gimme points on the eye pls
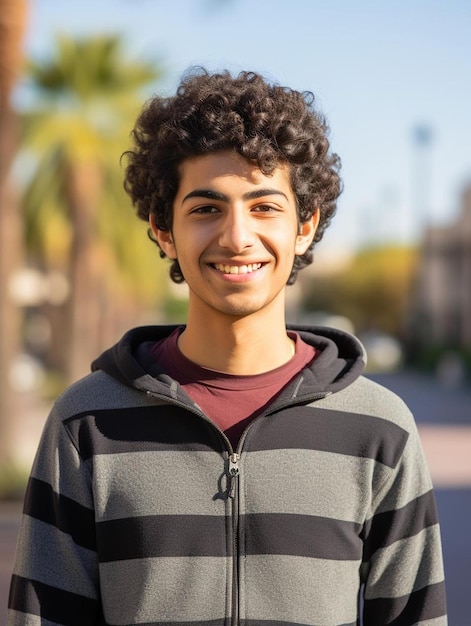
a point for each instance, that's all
(264, 208)
(202, 210)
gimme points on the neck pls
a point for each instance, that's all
(241, 346)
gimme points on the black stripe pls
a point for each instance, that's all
(162, 536)
(206, 622)
(168, 427)
(163, 427)
(313, 428)
(52, 604)
(425, 604)
(199, 535)
(301, 535)
(271, 622)
(388, 527)
(43, 503)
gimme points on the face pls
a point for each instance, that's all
(235, 234)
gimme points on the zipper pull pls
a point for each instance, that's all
(233, 473)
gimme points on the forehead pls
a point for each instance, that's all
(229, 169)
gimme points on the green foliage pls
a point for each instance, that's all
(176, 310)
(85, 68)
(13, 480)
(88, 96)
(373, 291)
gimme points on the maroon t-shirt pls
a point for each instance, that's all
(232, 402)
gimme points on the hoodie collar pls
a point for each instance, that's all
(340, 361)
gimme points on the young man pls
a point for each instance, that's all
(231, 471)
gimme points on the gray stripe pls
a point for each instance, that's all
(368, 398)
(34, 560)
(275, 589)
(304, 482)
(438, 621)
(99, 390)
(183, 590)
(166, 483)
(15, 618)
(309, 482)
(423, 549)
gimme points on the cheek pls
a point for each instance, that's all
(285, 239)
(189, 248)
(202, 239)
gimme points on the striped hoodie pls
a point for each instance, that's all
(138, 510)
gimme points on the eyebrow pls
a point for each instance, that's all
(210, 194)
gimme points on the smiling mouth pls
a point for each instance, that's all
(237, 269)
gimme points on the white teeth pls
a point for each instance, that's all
(238, 269)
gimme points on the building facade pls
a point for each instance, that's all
(443, 296)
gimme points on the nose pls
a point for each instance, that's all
(236, 231)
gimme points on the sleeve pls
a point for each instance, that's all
(402, 572)
(55, 576)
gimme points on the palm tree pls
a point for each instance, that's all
(12, 24)
(77, 214)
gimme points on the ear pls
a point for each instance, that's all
(164, 239)
(306, 233)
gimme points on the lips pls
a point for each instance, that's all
(237, 269)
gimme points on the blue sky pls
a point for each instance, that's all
(378, 68)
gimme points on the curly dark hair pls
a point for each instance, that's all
(265, 123)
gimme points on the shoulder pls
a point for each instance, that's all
(97, 391)
(366, 397)
(382, 421)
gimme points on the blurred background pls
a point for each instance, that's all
(76, 270)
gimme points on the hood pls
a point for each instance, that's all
(340, 360)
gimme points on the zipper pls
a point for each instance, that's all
(234, 471)
(232, 490)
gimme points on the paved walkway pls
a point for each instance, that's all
(448, 451)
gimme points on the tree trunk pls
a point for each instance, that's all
(10, 318)
(86, 269)
(12, 23)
